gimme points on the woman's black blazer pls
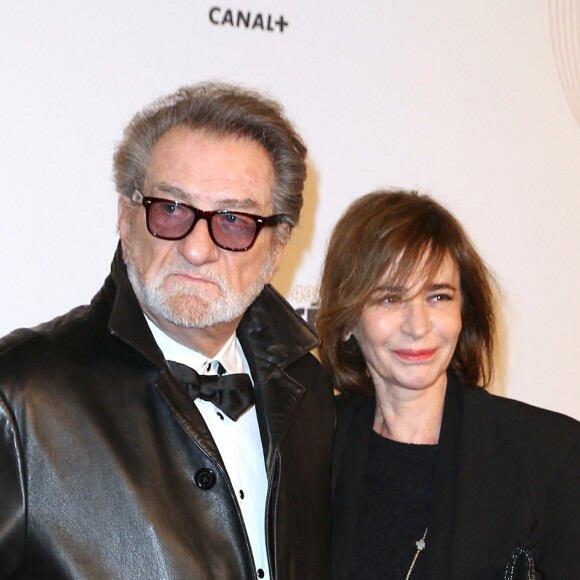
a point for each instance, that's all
(507, 477)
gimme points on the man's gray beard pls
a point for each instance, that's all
(186, 305)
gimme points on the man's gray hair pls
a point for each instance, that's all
(220, 110)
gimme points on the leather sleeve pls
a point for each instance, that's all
(12, 494)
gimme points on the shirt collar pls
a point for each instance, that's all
(230, 355)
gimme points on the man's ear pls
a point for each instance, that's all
(123, 220)
(277, 249)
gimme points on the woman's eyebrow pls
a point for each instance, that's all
(387, 288)
(440, 286)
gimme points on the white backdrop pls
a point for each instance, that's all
(458, 98)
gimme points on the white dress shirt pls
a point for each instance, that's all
(239, 442)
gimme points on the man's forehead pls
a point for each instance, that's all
(175, 193)
(180, 133)
(194, 166)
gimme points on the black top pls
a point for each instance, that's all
(397, 492)
(507, 477)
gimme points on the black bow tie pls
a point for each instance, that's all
(233, 394)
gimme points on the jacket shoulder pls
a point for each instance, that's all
(23, 342)
(47, 350)
(519, 413)
(547, 437)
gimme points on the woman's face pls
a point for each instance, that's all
(408, 334)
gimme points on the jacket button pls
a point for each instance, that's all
(205, 478)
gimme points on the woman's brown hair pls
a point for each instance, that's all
(394, 231)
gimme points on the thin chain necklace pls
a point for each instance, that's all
(420, 546)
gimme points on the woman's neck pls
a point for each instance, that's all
(410, 416)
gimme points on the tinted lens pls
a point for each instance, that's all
(169, 220)
(233, 230)
(229, 230)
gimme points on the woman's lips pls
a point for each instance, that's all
(416, 355)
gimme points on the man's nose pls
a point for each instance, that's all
(198, 247)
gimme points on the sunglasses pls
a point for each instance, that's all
(229, 230)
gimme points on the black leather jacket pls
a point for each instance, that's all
(107, 470)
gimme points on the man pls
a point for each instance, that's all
(116, 462)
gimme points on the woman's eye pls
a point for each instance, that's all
(392, 299)
(440, 297)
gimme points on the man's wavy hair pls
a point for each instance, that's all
(405, 235)
(219, 110)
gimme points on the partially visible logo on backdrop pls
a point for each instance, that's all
(565, 33)
(308, 296)
(219, 16)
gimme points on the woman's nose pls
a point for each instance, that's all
(416, 321)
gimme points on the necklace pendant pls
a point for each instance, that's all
(420, 546)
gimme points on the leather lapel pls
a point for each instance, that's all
(176, 397)
(127, 321)
(277, 398)
(274, 337)
(128, 324)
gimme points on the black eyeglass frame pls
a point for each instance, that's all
(260, 221)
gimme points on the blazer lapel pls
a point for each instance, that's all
(439, 543)
(488, 474)
(355, 424)
(471, 500)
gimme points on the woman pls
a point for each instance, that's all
(434, 477)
